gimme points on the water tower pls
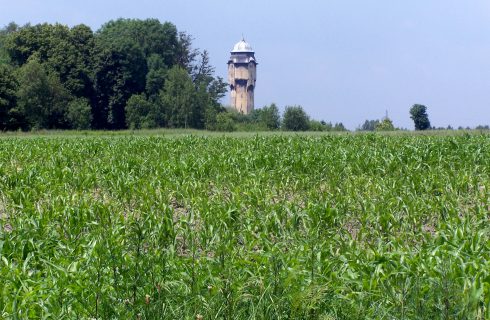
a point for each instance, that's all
(242, 74)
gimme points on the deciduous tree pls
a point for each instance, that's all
(177, 97)
(369, 125)
(143, 114)
(41, 97)
(267, 117)
(295, 119)
(120, 72)
(418, 113)
(8, 99)
(385, 125)
(79, 114)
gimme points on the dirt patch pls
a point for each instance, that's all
(352, 227)
(100, 195)
(7, 228)
(429, 228)
(185, 220)
(3, 208)
(4, 215)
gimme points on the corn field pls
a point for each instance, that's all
(267, 227)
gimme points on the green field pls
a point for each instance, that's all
(129, 226)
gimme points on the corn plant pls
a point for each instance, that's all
(361, 226)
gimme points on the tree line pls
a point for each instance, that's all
(268, 118)
(128, 74)
(418, 113)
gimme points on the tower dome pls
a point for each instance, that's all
(242, 46)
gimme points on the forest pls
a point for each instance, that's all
(128, 74)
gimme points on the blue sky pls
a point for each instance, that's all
(342, 60)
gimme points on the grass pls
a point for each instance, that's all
(275, 226)
(175, 133)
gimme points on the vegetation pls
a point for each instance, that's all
(268, 117)
(385, 125)
(330, 227)
(295, 119)
(136, 74)
(369, 125)
(8, 99)
(49, 74)
(418, 113)
(278, 225)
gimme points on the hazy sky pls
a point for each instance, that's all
(342, 60)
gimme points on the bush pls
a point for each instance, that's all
(140, 113)
(79, 114)
(268, 117)
(385, 125)
(339, 127)
(224, 122)
(295, 119)
(317, 126)
(369, 125)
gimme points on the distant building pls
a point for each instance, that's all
(242, 74)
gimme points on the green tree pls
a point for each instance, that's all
(64, 51)
(203, 72)
(8, 99)
(143, 114)
(210, 115)
(209, 90)
(328, 126)
(120, 72)
(217, 90)
(385, 125)
(79, 114)
(134, 56)
(202, 102)
(369, 125)
(66, 56)
(418, 113)
(4, 32)
(41, 97)
(270, 117)
(125, 58)
(186, 54)
(317, 126)
(225, 122)
(178, 98)
(157, 73)
(295, 119)
(76, 66)
(150, 36)
(339, 127)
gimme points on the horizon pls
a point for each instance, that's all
(361, 61)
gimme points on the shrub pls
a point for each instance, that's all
(295, 119)
(79, 114)
(224, 122)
